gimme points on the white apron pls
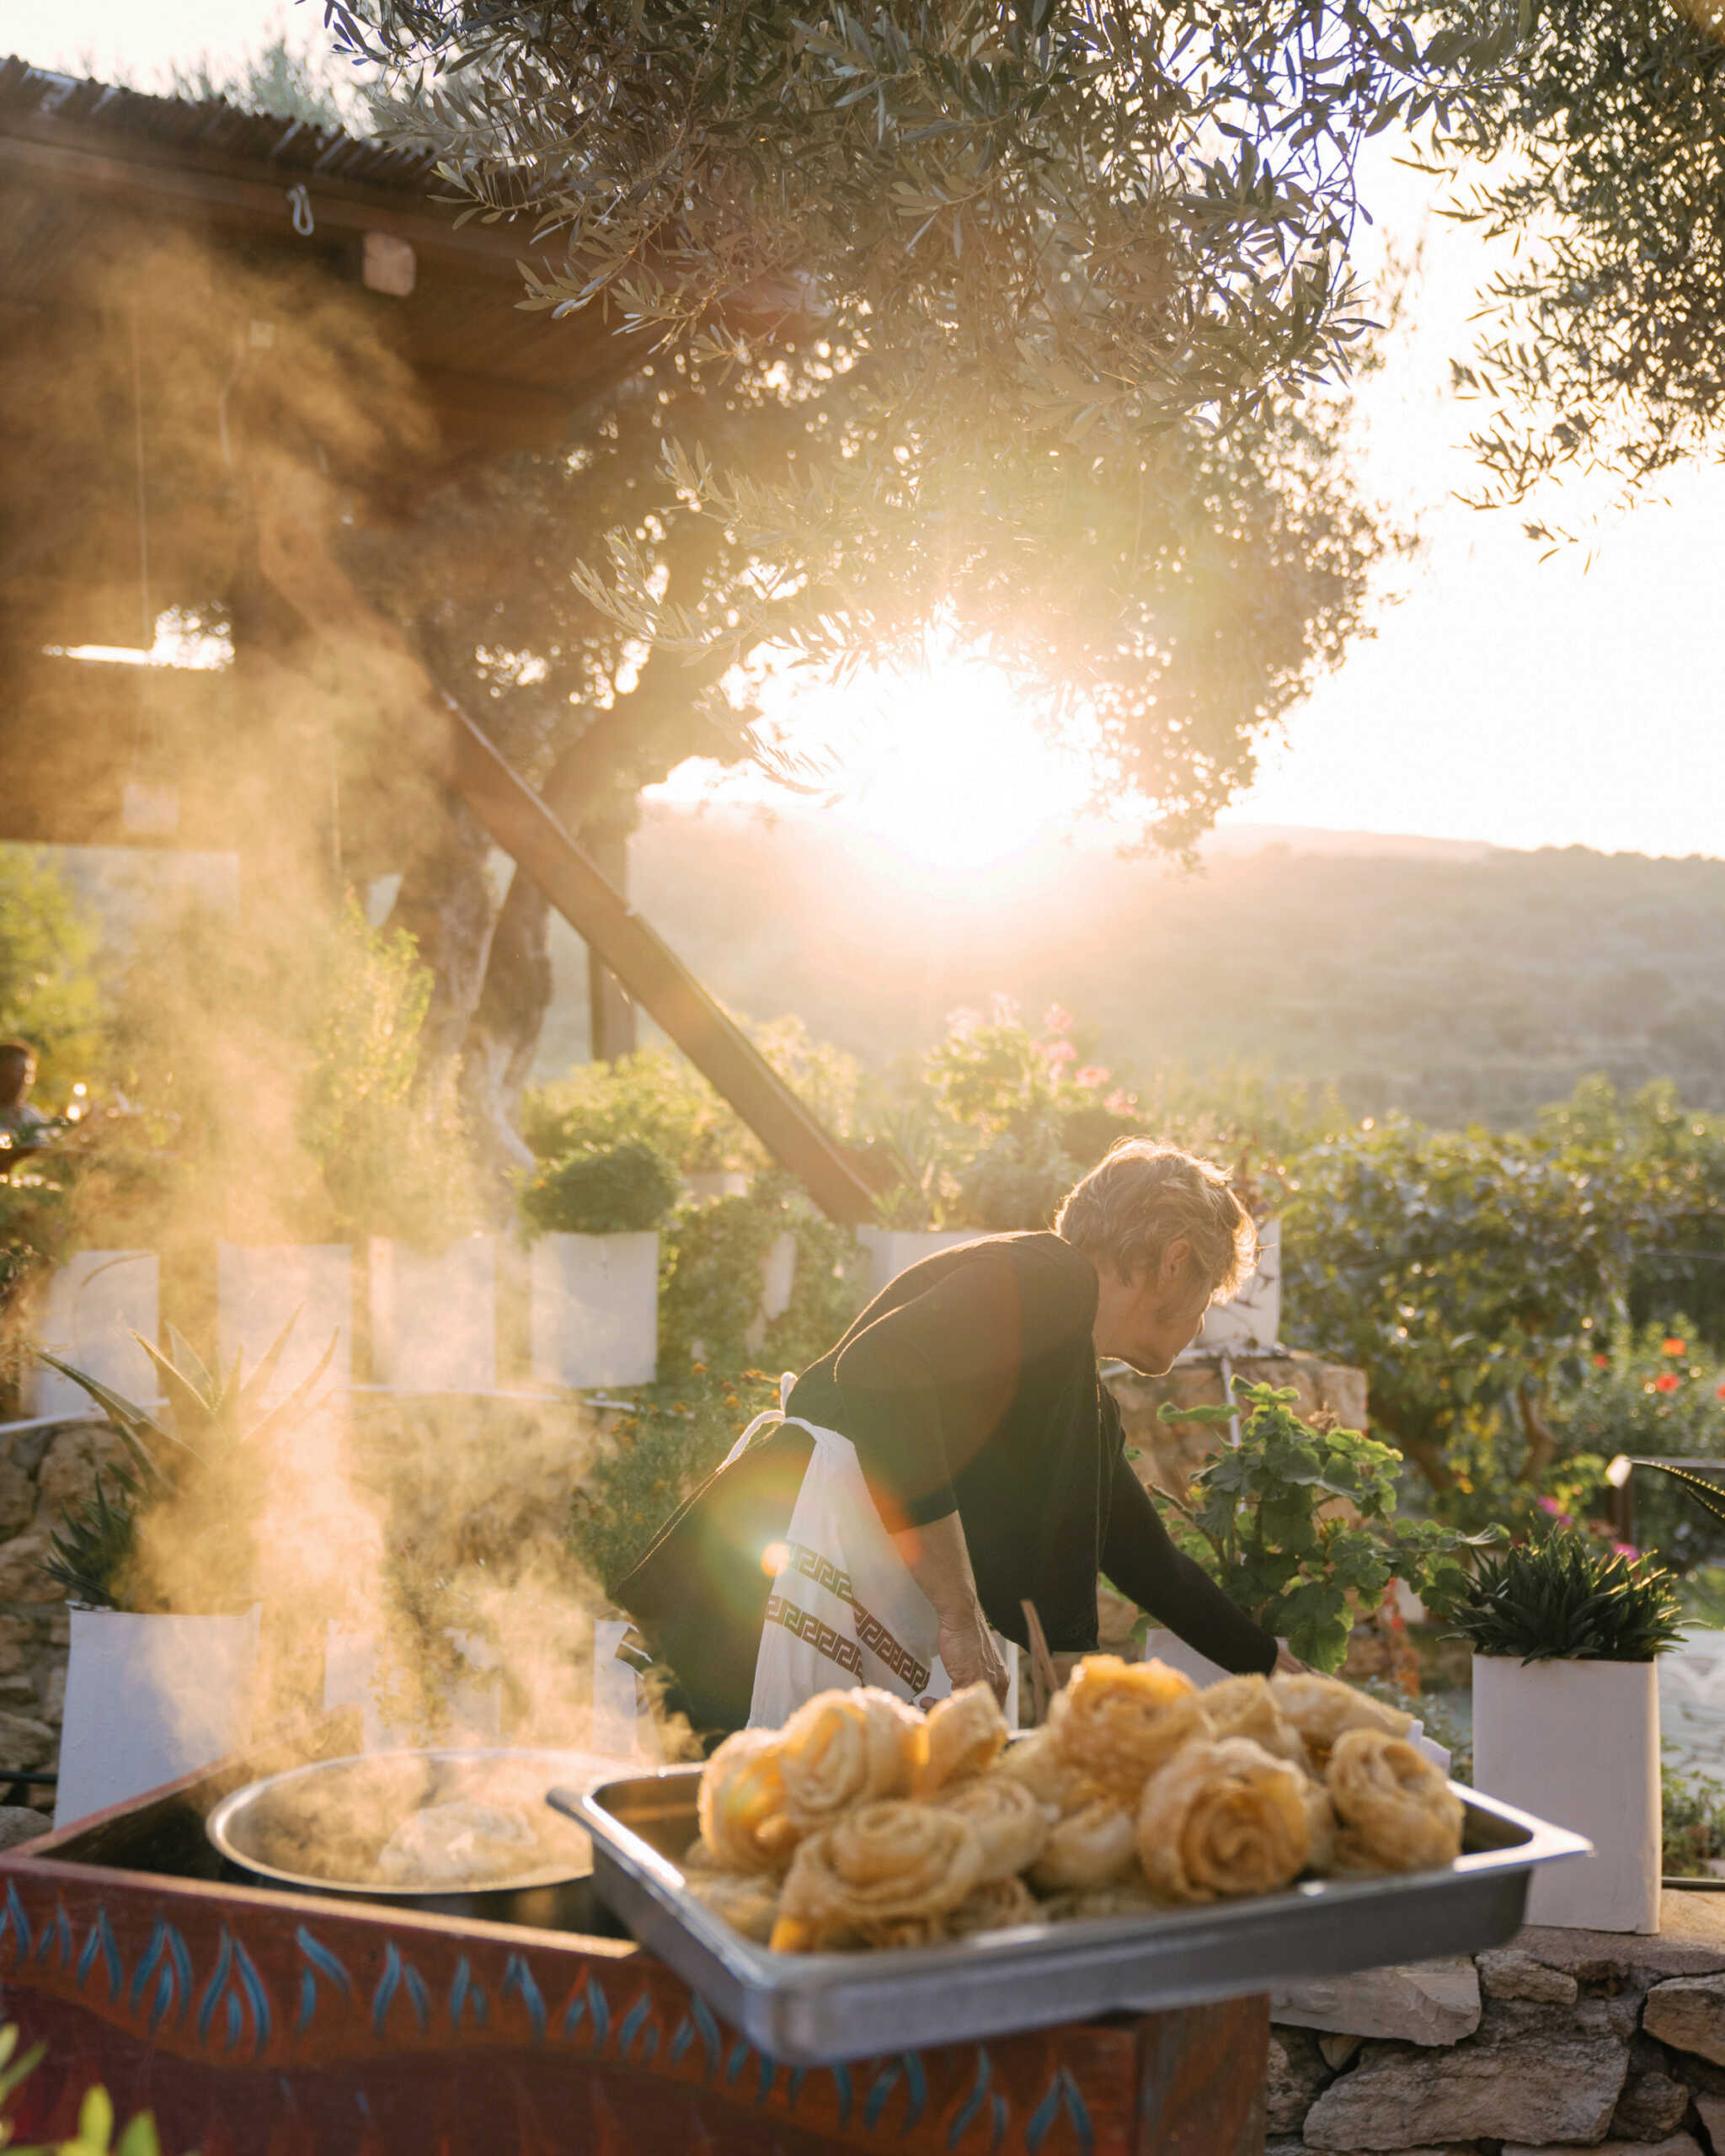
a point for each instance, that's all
(845, 1608)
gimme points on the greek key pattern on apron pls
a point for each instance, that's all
(803, 1624)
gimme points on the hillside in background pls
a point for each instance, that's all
(1454, 981)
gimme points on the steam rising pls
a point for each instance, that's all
(235, 400)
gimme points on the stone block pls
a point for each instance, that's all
(1689, 1942)
(24, 1742)
(1297, 2072)
(1710, 2111)
(1507, 1972)
(18, 1823)
(1651, 2106)
(1676, 2144)
(69, 1467)
(1418, 2002)
(18, 1495)
(1533, 2073)
(22, 1576)
(1688, 2013)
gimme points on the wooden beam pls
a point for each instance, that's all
(149, 176)
(657, 979)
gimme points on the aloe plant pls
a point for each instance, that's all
(1563, 1599)
(204, 1461)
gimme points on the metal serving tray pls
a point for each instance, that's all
(808, 2008)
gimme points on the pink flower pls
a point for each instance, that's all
(1054, 1020)
(1059, 1052)
(1626, 1549)
(1125, 1103)
(1550, 1505)
(1090, 1077)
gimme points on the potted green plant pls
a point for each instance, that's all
(1565, 1631)
(1298, 1524)
(159, 1564)
(260, 1288)
(594, 1270)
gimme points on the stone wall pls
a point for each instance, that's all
(42, 1466)
(1560, 2041)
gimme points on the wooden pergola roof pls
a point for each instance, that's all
(86, 167)
(75, 154)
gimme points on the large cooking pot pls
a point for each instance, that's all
(334, 1827)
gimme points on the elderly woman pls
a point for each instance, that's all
(991, 1448)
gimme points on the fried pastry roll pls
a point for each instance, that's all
(1397, 1812)
(741, 1805)
(841, 1748)
(1038, 1762)
(1094, 1846)
(748, 1901)
(1010, 1823)
(1129, 1898)
(1245, 1706)
(1118, 1721)
(964, 1734)
(1221, 1820)
(1320, 1824)
(1321, 1707)
(992, 1907)
(883, 1863)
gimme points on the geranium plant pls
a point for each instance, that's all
(1298, 1524)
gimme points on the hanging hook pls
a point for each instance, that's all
(299, 201)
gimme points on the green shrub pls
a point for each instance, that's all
(1563, 1599)
(654, 1096)
(624, 1190)
(1693, 1807)
(711, 1282)
(1262, 1518)
(654, 1454)
(1655, 1394)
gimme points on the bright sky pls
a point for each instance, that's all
(1526, 703)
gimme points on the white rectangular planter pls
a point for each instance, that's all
(260, 1286)
(434, 1319)
(894, 1250)
(594, 1310)
(149, 1699)
(1252, 1319)
(1578, 1744)
(94, 1304)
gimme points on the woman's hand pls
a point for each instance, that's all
(967, 1653)
(1290, 1665)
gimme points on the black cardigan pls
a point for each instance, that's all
(969, 1384)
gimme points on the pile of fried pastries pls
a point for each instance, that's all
(865, 1823)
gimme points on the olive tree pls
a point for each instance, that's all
(1055, 289)
(1605, 349)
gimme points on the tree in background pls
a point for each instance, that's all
(1607, 347)
(1072, 275)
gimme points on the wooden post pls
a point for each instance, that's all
(611, 1016)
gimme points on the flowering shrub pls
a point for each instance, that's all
(1655, 1394)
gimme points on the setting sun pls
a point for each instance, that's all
(950, 768)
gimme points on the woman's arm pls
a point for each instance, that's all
(939, 1561)
(1143, 1563)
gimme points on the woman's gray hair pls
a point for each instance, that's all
(1146, 1195)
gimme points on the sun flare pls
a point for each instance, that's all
(949, 769)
